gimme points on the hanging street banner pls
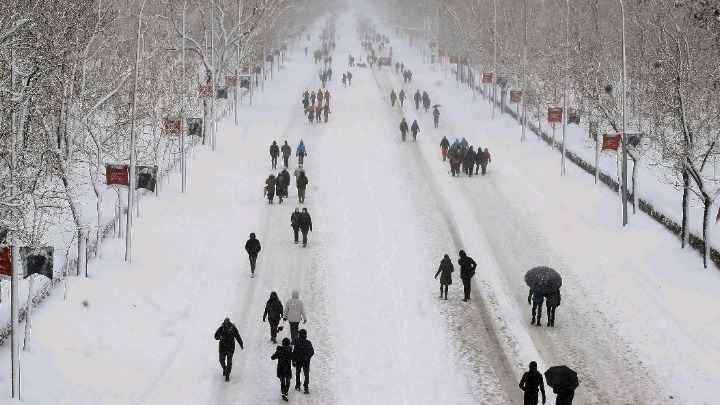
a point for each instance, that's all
(172, 126)
(37, 261)
(231, 81)
(5, 261)
(611, 141)
(573, 116)
(515, 96)
(146, 177)
(222, 92)
(245, 81)
(441, 53)
(194, 126)
(555, 115)
(205, 91)
(487, 78)
(453, 59)
(245, 69)
(433, 44)
(117, 174)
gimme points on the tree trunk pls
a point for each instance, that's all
(685, 237)
(707, 203)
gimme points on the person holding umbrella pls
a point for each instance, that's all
(537, 302)
(541, 280)
(552, 301)
(563, 381)
(530, 382)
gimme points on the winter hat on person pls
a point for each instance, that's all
(446, 256)
(273, 296)
(252, 235)
(462, 253)
(227, 320)
(302, 333)
(533, 365)
(286, 342)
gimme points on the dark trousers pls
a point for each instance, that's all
(273, 160)
(484, 168)
(551, 315)
(294, 326)
(285, 161)
(443, 287)
(306, 370)
(295, 231)
(304, 233)
(565, 398)
(273, 328)
(226, 362)
(285, 384)
(537, 306)
(530, 398)
(477, 168)
(253, 260)
(466, 287)
(300, 157)
(301, 195)
(455, 169)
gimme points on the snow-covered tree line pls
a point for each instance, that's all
(67, 75)
(673, 81)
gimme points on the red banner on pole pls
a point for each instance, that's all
(172, 126)
(231, 81)
(117, 174)
(245, 69)
(453, 59)
(555, 115)
(487, 78)
(611, 141)
(205, 91)
(433, 44)
(515, 96)
(441, 53)
(5, 261)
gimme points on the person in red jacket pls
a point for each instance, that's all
(485, 160)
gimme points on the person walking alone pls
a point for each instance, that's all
(273, 313)
(444, 146)
(401, 97)
(294, 313)
(393, 97)
(286, 152)
(467, 271)
(301, 183)
(436, 116)
(531, 381)
(283, 354)
(300, 152)
(252, 247)
(227, 333)
(302, 353)
(445, 271)
(414, 128)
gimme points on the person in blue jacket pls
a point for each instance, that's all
(456, 144)
(537, 299)
(300, 152)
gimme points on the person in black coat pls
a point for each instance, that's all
(302, 353)
(281, 187)
(445, 271)
(295, 223)
(274, 153)
(227, 333)
(552, 301)
(305, 224)
(436, 116)
(467, 271)
(283, 354)
(417, 97)
(530, 382)
(469, 161)
(252, 247)
(284, 178)
(270, 183)
(415, 128)
(273, 313)
(403, 128)
(478, 159)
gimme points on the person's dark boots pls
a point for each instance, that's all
(533, 321)
(538, 322)
(227, 377)
(297, 388)
(307, 391)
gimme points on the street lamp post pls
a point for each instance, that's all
(524, 81)
(494, 100)
(624, 123)
(565, 95)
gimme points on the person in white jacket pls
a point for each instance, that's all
(294, 313)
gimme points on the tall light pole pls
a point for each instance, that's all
(183, 124)
(565, 95)
(624, 123)
(524, 79)
(494, 100)
(131, 175)
(213, 138)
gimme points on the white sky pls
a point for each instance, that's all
(638, 319)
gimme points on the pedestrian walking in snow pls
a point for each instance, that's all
(327, 98)
(485, 160)
(455, 161)
(295, 223)
(252, 247)
(280, 187)
(436, 116)
(414, 128)
(445, 271)
(302, 353)
(294, 313)
(552, 301)
(426, 101)
(397, 67)
(274, 153)
(311, 115)
(283, 355)
(312, 98)
(301, 183)
(284, 179)
(444, 146)
(270, 187)
(305, 224)
(227, 333)
(318, 113)
(530, 382)
(320, 96)
(286, 151)
(349, 78)
(403, 129)
(305, 103)
(326, 112)
(537, 299)
(467, 271)
(344, 80)
(273, 313)
(300, 152)
(469, 161)
(478, 159)
(417, 97)
(393, 97)
(401, 97)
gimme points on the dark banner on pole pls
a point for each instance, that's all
(245, 82)
(5, 261)
(194, 126)
(146, 177)
(172, 126)
(222, 92)
(573, 116)
(205, 91)
(37, 261)
(117, 174)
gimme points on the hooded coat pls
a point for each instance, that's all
(227, 333)
(305, 221)
(274, 149)
(273, 308)
(286, 150)
(303, 351)
(252, 246)
(445, 271)
(553, 299)
(294, 309)
(283, 354)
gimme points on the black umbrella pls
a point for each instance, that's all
(561, 379)
(543, 279)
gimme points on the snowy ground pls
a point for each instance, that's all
(638, 320)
